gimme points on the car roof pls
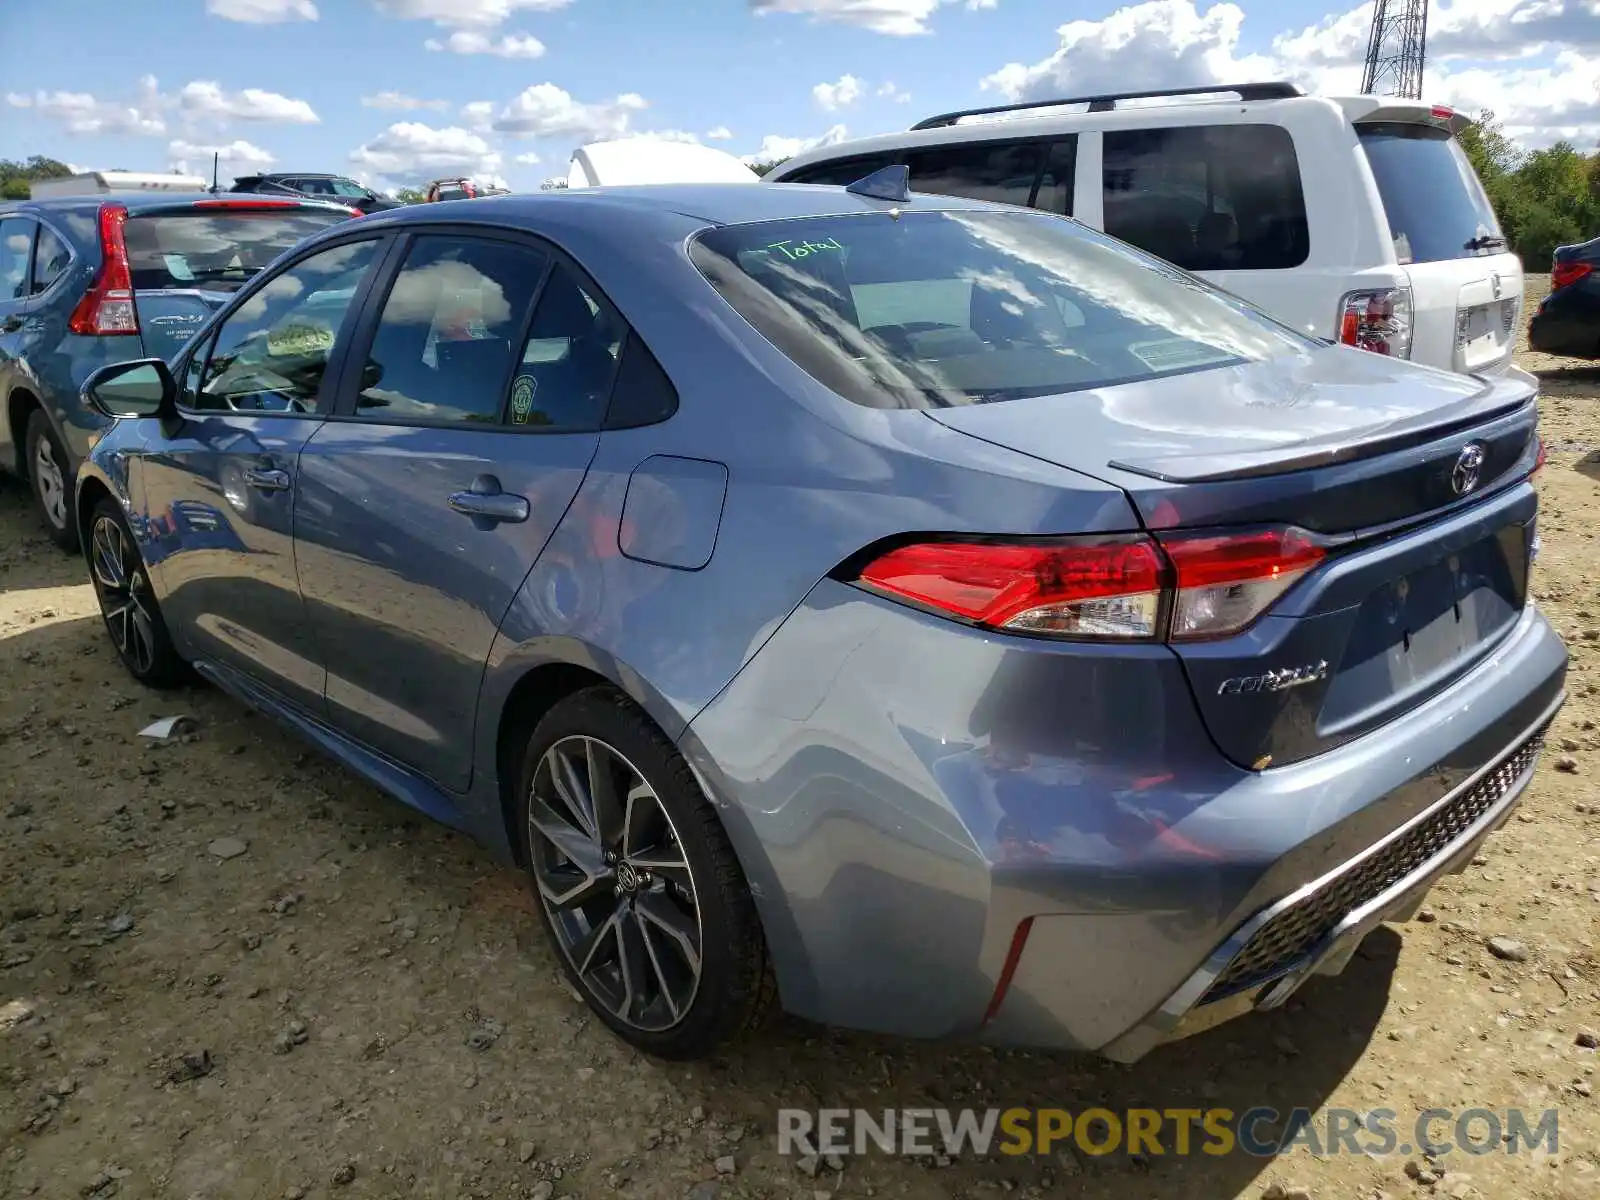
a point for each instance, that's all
(671, 205)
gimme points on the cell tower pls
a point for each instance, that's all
(1397, 48)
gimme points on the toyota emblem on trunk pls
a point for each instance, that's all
(1469, 465)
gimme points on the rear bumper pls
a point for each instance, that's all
(905, 796)
(1316, 929)
(1568, 324)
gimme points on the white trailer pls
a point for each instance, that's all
(100, 183)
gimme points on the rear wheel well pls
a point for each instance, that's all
(535, 694)
(19, 405)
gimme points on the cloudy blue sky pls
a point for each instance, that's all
(398, 91)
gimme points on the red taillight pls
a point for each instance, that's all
(244, 203)
(107, 309)
(1117, 588)
(1443, 112)
(1226, 581)
(1565, 274)
(1378, 320)
(1538, 458)
(1075, 587)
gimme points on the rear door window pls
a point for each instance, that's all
(219, 251)
(1054, 193)
(1002, 172)
(1208, 197)
(570, 358)
(16, 243)
(451, 325)
(1436, 207)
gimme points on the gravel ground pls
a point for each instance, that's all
(230, 969)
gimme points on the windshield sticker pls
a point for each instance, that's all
(522, 390)
(798, 250)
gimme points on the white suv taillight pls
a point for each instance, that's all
(1378, 320)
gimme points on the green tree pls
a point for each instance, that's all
(16, 177)
(411, 195)
(761, 168)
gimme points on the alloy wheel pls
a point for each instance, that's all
(615, 883)
(51, 483)
(124, 591)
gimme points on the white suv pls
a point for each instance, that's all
(1358, 219)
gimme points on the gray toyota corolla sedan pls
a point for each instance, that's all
(937, 617)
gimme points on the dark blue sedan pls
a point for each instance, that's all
(1568, 319)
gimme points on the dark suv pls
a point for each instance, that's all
(319, 187)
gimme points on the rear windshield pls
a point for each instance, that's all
(217, 251)
(929, 309)
(1437, 209)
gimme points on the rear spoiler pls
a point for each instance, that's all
(1495, 398)
(1370, 110)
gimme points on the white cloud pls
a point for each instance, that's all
(1532, 61)
(1157, 44)
(897, 18)
(205, 99)
(262, 12)
(890, 92)
(478, 115)
(670, 135)
(237, 157)
(841, 94)
(1474, 29)
(509, 45)
(720, 134)
(544, 110)
(411, 150)
(528, 159)
(400, 102)
(83, 114)
(464, 13)
(774, 146)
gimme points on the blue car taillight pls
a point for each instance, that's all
(1180, 586)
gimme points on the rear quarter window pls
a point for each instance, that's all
(1208, 197)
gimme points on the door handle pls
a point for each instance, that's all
(487, 504)
(267, 479)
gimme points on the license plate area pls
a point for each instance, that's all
(1483, 333)
(1415, 632)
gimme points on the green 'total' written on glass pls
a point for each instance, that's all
(796, 250)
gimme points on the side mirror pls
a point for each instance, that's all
(142, 388)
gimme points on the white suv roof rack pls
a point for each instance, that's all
(1277, 90)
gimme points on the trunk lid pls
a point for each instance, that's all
(1408, 474)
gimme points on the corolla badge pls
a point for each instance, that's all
(1468, 469)
(1280, 680)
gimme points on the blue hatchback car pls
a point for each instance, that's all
(938, 615)
(96, 279)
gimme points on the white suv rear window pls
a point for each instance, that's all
(1436, 207)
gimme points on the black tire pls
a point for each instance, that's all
(50, 480)
(734, 990)
(129, 608)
